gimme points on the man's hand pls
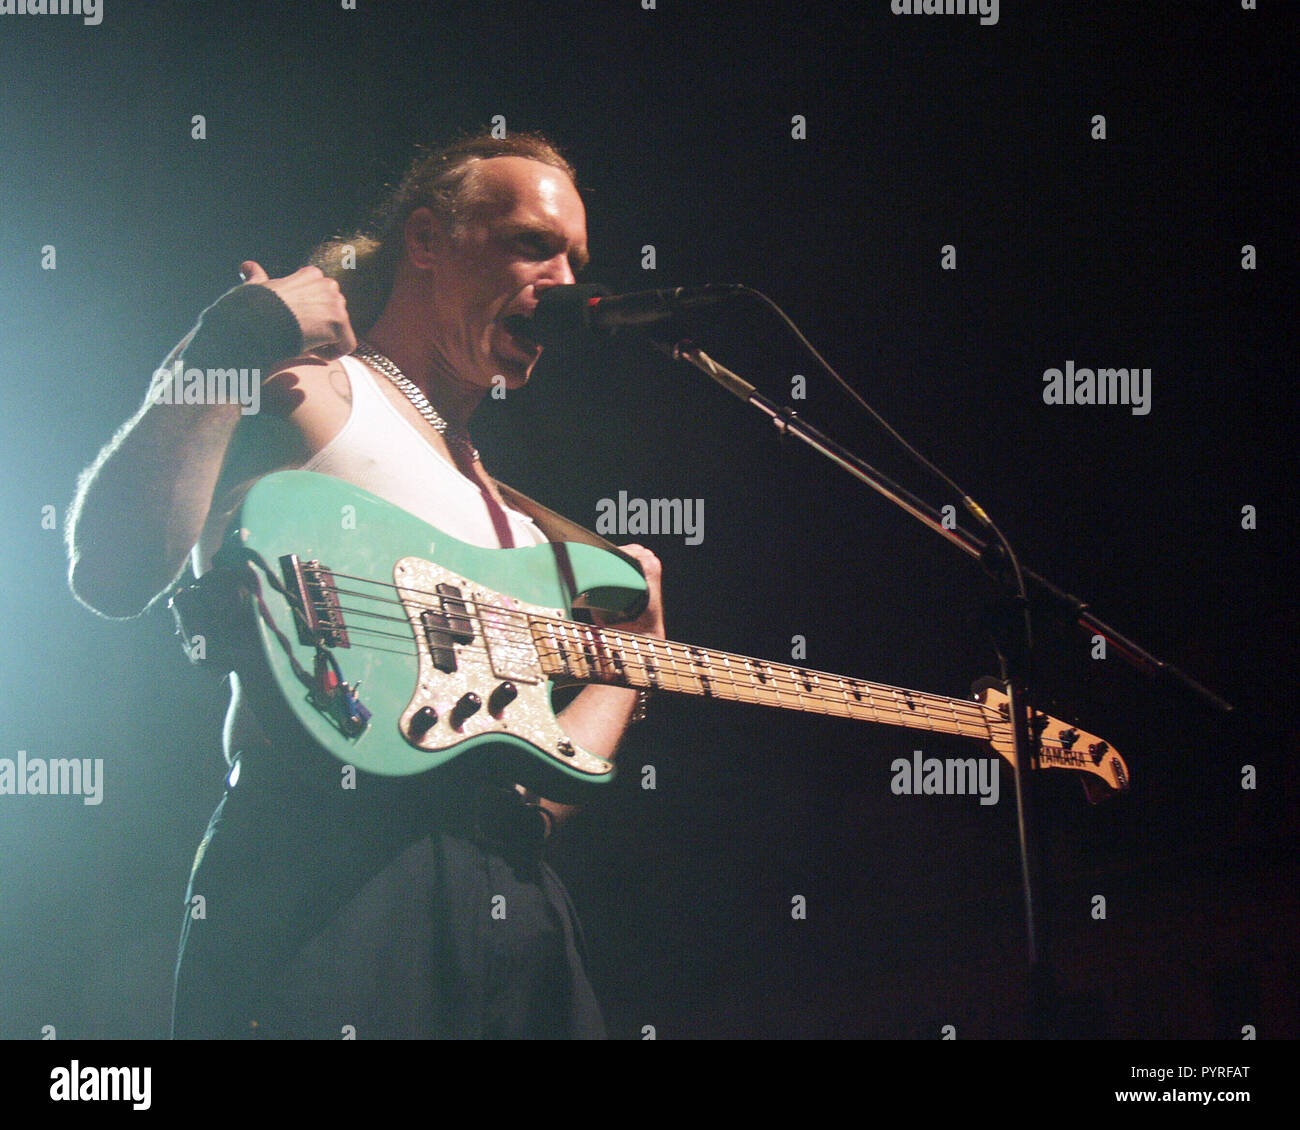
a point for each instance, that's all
(651, 621)
(316, 302)
(597, 718)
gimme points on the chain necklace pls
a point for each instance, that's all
(458, 438)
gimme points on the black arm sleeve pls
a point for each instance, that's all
(247, 327)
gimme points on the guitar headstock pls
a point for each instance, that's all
(1103, 769)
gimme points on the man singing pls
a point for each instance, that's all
(369, 909)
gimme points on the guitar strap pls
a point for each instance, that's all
(556, 526)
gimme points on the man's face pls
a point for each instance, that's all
(529, 234)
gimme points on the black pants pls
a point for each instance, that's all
(382, 911)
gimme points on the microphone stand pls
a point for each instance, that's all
(1013, 637)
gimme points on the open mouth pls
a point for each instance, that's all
(519, 342)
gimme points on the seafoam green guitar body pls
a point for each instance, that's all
(398, 648)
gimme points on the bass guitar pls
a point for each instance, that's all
(398, 649)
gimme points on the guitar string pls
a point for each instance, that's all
(984, 725)
(980, 720)
(795, 684)
(990, 728)
(973, 709)
(987, 724)
(901, 704)
(778, 692)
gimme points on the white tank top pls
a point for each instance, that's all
(380, 451)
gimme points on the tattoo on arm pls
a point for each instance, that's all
(339, 382)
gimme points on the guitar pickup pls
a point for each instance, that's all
(456, 612)
(320, 619)
(446, 627)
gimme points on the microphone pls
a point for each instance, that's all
(567, 311)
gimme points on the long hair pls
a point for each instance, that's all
(365, 262)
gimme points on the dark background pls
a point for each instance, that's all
(921, 131)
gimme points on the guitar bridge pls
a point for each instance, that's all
(320, 619)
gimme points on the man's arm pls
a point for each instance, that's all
(140, 507)
(597, 719)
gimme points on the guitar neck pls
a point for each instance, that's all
(603, 655)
